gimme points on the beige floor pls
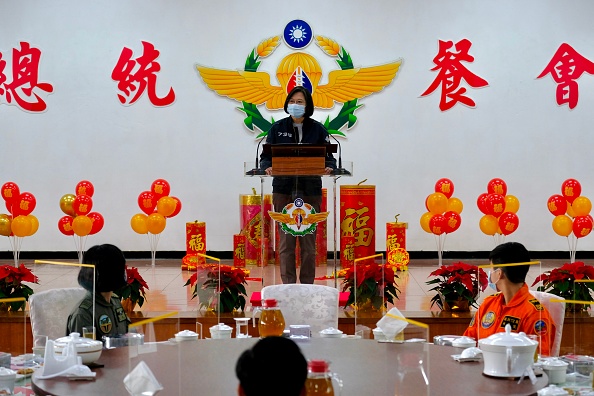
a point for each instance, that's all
(167, 292)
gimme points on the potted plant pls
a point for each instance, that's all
(134, 292)
(562, 282)
(231, 292)
(371, 279)
(11, 286)
(457, 286)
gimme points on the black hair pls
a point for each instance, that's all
(110, 267)
(274, 366)
(512, 252)
(309, 105)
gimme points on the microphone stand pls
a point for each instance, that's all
(257, 171)
(340, 170)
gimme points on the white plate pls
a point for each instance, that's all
(470, 359)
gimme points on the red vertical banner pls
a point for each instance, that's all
(396, 253)
(252, 226)
(195, 243)
(239, 250)
(322, 233)
(347, 253)
(357, 218)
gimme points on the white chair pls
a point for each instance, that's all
(50, 309)
(557, 312)
(314, 305)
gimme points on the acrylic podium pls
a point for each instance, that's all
(299, 161)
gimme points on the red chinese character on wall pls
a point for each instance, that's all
(451, 72)
(25, 79)
(566, 67)
(135, 75)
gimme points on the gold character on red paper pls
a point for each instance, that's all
(196, 243)
(355, 226)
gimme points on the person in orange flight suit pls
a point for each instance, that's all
(513, 304)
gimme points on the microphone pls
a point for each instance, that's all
(257, 170)
(340, 170)
(296, 133)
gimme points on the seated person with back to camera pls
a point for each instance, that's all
(513, 305)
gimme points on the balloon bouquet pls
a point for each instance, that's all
(572, 214)
(499, 209)
(19, 223)
(443, 216)
(157, 206)
(79, 219)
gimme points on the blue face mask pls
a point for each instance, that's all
(296, 110)
(491, 284)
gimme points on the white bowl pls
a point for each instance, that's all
(331, 332)
(186, 335)
(89, 350)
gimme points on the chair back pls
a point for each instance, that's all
(50, 309)
(557, 312)
(301, 304)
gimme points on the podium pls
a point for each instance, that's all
(300, 160)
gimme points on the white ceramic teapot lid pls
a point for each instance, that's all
(186, 333)
(507, 338)
(331, 330)
(464, 342)
(221, 327)
(554, 362)
(80, 343)
(7, 373)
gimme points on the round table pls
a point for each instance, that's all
(367, 367)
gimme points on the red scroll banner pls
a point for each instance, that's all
(195, 243)
(251, 226)
(357, 218)
(239, 250)
(396, 245)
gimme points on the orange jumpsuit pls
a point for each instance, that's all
(524, 313)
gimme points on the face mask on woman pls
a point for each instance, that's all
(296, 110)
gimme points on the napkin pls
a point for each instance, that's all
(392, 323)
(68, 364)
(141, 381)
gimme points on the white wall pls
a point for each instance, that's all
(402, 143)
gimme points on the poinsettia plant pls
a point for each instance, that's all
(455, 282)
(135, 288)
(562, 281)
(231, 289)
(11, 284)
(371, 279)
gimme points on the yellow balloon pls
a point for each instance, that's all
(139, 223)
(455, 205)
(489, 224)
(512, 204)
(66, 203)
(5, 228)
(156, 223)
(425, 222)
(570, 212)
(581, 206)
(437, 203)
(34, 224)
(82, 225)
(562, 225)
(166, 206)
(21, 226)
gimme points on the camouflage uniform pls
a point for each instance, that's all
(110, 317)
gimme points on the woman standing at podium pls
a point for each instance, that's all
(299, 127)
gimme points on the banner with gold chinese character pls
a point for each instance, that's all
(195, 243)
(239, 250)
(322, 233)
(347, 253)
(396, 253)
(251, 226)
(357, 218)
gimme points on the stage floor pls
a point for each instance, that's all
(167, 292)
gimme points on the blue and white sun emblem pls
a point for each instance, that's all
(298, 202)
(297, 34)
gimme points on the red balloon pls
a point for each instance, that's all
(445, 186)
(497, 186)
(147, 202)
(582, 226)
(557, 205)
(65, 225)
(24, 205)
(98, 222)
(508, 223)
(160, 188)
(437, 224)
(495, 204)
(82, 205)
(10, 192)
(481, 202)
(452, 221)
(178, 207)
(85, 187)
(8, 206)
(571, 189)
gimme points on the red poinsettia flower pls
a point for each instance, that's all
(225, 280)
(562, 281)
(457, 281)
(12, 286)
